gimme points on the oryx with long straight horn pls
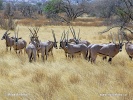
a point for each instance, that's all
(72, 49)
(33, 46)
(110, 50)
(77, 40)
(9, 40)
(128, 46)
(46, 47)
(19, 43)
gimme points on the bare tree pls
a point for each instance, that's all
(66, 10)
(123, 16)
(7, 22)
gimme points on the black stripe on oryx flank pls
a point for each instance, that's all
(74, 52)
(103, 54)
(77, 52)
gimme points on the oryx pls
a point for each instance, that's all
(128, 47)
(76, 39)
(89, 50)
(9, 40)
(71, 49)
(110, 50)
(33, 46)
(46, 47)
(19, 43)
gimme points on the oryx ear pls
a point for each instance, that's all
(20, 38)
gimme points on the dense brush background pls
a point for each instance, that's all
(60, 78)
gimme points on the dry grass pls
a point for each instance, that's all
(78, 22)
(59, 78)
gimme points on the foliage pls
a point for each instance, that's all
(51, 6)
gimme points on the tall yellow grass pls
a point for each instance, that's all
(59, 78)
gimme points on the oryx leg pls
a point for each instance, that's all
(89, 58)
(72, 55)
(20, 51)
(46, 53)
(42, 57)
(66, 54)
(105, 58)
(46, 56)
(52, 52)
(34, 55)
(130, 57)
(37, 54)
(30, 56)
(93, 57)
(110, 59)
(10, 48)
(24, 50)
(16, 51)
(85, 54)
(6, 48)
(42, 54)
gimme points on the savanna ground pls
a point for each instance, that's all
(59, 78)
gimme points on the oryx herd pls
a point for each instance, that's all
(71, 46)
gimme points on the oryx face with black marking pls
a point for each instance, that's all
(9, 40)
(5, 35)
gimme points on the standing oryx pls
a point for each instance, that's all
(89, 50)
(9, 40)
(63, 43)
(77, 40)
(46, 47)
(72, 49)
(33, 46)
(19, 43)
(110, 50)
(129, 47)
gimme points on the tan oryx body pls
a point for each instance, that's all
(76, 39)
(129, 49)
(110, 50)
(77, 48)
(64, 47)
(9, 40)
(128, 46)
(46, 47)
(31, 50)
(89, 50)
(72, 49)
(19, 43)
(33, 46)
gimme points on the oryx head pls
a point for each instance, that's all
(120, 44)
(5, 35)
(33, 34)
